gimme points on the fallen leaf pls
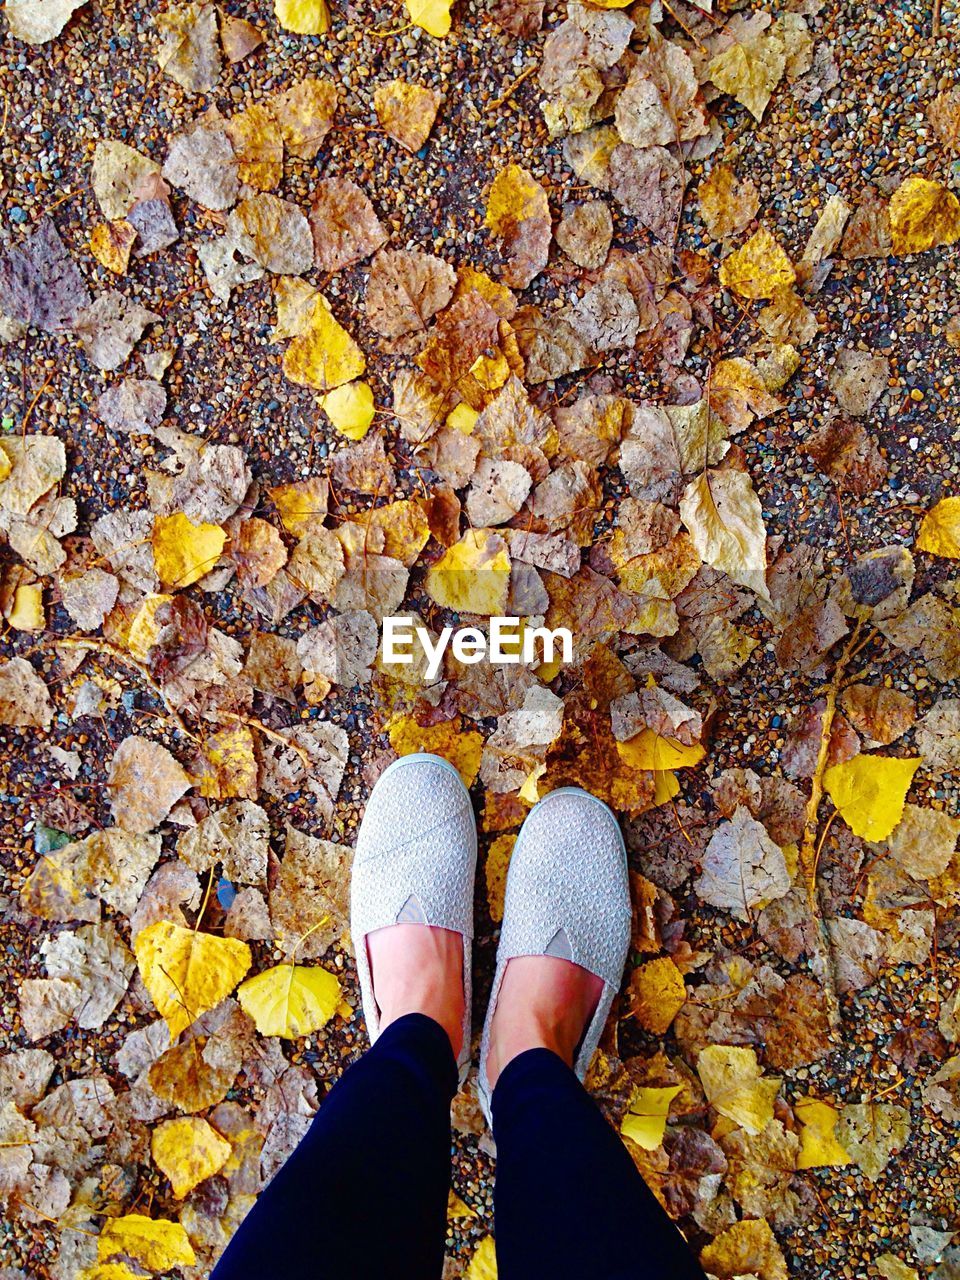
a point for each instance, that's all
(725, 520)
(432, 16)
(200, 161)
(749, 71)
(758, 269)
(187, 972)
(189, 50)
(41, 284)
(727, 205)
(37, 21)
(155, 1243)
(819, 1147)
(305, 114)
(518, 211)
(188, 1150)
(303, 17)
(344, 223)
(310, 897)
(747, 1248)
(145, 782)
(858, 379)
(133, 405)
(940, 530)
(879, 714)
(473, 575)
(447, 739)
(742, 867)
(869, 792)
(657, 994)
(324, 356)
(923, 841)
(923, 214)
(645, 1119)
(185, 552)
(405, 290)
(110, 327)
(111, 244)
(257, 143)
(274, 232)
(24, 700)
(290, 1000)
(893, 1268)
(735, 1086)
(406, 112)
(871, 1132)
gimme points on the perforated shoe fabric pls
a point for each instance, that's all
(568, 895)
(415, 862)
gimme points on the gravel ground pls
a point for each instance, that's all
(99, 80)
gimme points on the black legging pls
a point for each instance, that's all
(364, 1196)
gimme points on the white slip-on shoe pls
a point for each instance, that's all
(415, 863)
(568, 895)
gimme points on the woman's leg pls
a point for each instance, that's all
(569, 1203)
(364, 1196)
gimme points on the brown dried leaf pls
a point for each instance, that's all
(405, 290)
(145, 782)
(345, 226)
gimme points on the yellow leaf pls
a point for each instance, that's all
(757, 269)
(188, 1150)
(27, 611)
(185, 551)
(893, 1268)
(483, 1264)
(187, 972)
(302, 505)
(111, 243)
(657, 994)
(295, 300)
(515, 196)
(156, 1243)
(648, 750)
(447, 739)
(303, 17)
(457, 1208)
(350, 409)
(229, 768)
(144, 629)
(495, 872)
(290, 1000)
(819, 1147)
(748, 1247)
(750, 71)
(666, 785)
(463, 419)
(406, 112)
(433, 16)
(735, 1087)
(870, 791)
(646, 1117)
(472, 576)
(405, 529)
(108, 1271)
(940, 530)
(323, 355)
(529, 793)
(923, 214)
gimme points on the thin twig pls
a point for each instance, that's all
(505, 97)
